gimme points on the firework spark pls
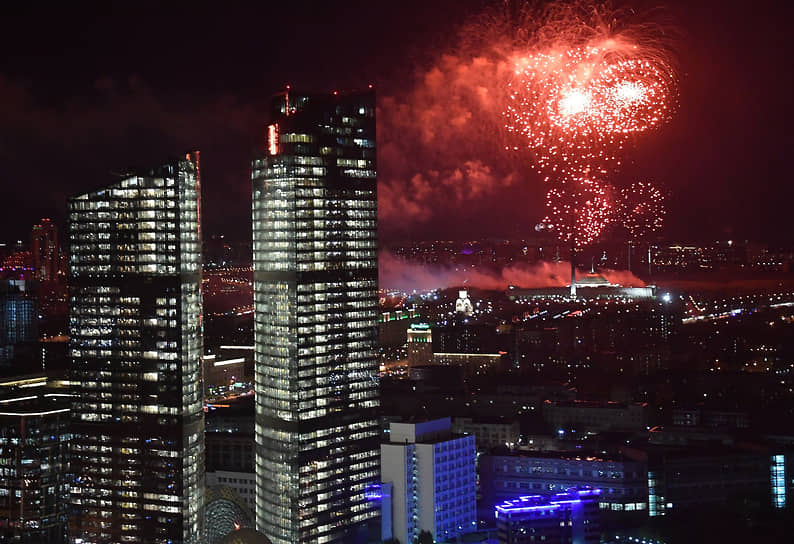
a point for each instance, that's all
(580, 210)
(641, 210)
(576, 109)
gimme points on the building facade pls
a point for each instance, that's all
(135, 346)
(432, 478)
(19, 316)
(34, 462)
(44, 250)
(316, 318)
(419, 344)
(596, 417)
(570, 517)
(224, 513)
(490, 433)
(623, 482)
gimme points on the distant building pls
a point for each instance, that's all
(34, 462)
(710, 418)
(432, 475)
(242, 483)
(393, 326)
(229, 372)
(19, 316)
(571, 517)
(420, 344)
(623, 481)
(489, 433)
(438, 377)
(18, 264)
(230, 463)
(595, 417)
(688, 478)
(591, 286)
(463, 305)
(464, 335)
(45, 250)
(470, 363)
(224, 513)
(229, 440)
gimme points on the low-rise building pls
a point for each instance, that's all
(570, 517)
(432, 475)
(623, 482)
(596, 417)
(490, 433)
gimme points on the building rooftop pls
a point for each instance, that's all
(528, 503)
(562, 455)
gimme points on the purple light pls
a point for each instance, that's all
(508, 509)
(588, 492)
(529, 503)
(373, 492)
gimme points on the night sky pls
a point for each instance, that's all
(84, 95)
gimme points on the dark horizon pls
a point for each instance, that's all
(87, 94)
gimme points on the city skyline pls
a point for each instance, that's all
(487, 271)
(710, 174)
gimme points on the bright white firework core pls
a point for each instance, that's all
(574, 101)
(629, 92)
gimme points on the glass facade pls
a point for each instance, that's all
(316, 311)
(34, 464)
(18, 316)
(777, 475)
(225, 512)
(135, 346)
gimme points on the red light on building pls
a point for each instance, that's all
(272, 139)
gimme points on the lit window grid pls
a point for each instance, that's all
(156, 220)
(312, 344)
(34, 486)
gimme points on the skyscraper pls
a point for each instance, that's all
(45, 250)
(316, 311)
(135, 345)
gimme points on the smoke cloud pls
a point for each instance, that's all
(396, 274)
(442, 147)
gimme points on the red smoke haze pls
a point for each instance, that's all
(395, 274)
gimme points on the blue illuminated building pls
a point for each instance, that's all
(429, 480)
(777, 476)
(18, 316)
(623, 481)
(569, 517)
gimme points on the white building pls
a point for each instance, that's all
(432, 473)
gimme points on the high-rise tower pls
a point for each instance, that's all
(137, 451)
(45, 250)
(316, 310)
